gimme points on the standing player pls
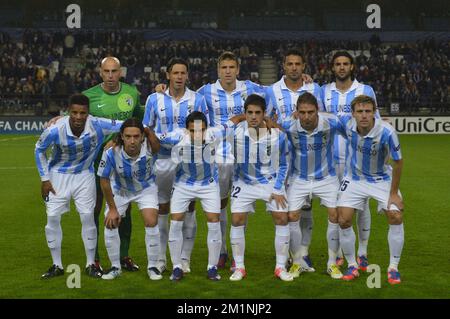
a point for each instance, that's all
(127, 167)
(166, 112)
(337, 97)
(261, 170)
(313, 173)
(75, 140)
(195, 149)
(115, 100)
(371, 142)
(225, 98)
(281, 100)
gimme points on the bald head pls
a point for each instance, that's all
(110, 59)
(110, 74)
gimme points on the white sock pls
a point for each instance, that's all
(281, 245)
(333, 242)
(363, 220)
(89, 235)
(306, 226)
(340, 253)
(396, 238)
(214, 242)
(152, 243)
(295, 241)
(176, 242)
(237, 240)
(223, 229)
(189, 232)
(53, 234)
(347, 238)
(112, 243)
(163, 225)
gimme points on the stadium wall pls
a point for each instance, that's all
(403, 125)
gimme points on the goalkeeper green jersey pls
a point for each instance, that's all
(118, 106)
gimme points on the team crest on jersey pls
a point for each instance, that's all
(148, 164)
(93, 142)
(190, 108)
(324, 140)
(243, 96)
(125, 102)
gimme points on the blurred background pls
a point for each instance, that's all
(42, 61)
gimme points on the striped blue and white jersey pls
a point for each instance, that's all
(367, 156)
(282, 101)
(164, 114)
(223, 105)
(339, 103)
(71, 154)
(312, 156)
(197, 161)
(263, 160)
(127, 174)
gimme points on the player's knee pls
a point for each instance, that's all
(344, 222)
(151, 222)
(177, 217)
(333, 216)
(293, 217)
(237, 220)
(213, 218)
(281, 219)
(395, 218)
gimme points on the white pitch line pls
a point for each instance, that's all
(17, 167)
(15, 138)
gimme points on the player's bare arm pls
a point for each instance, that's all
(394, 198)
(46, 188)
(112, 219)
(238, 119)
(152, 140)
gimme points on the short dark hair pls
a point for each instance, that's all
(228, 55)
(307, 98)
(364, 99)
(255, 99)
(79, 99)
(195, 116)
(174, 61)
(294, 51)
(131, 122)
(344, 53)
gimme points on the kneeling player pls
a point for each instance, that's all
(260, 173)
(196, 178)
(371, 142)
(128, 167)
(313, 175)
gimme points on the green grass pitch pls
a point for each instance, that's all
(425, 187)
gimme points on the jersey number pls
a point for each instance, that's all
(235, 191)
(344, 185)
